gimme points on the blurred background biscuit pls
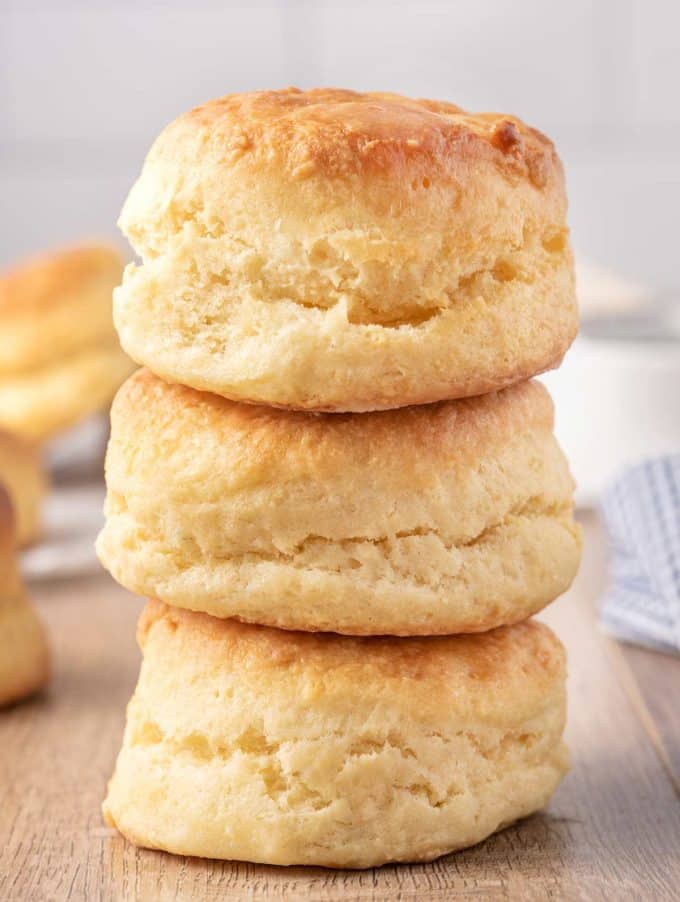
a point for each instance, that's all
(443, 518)
(332, 250)
(60, 359)
(42, 403)
(248, 743)
(24, 658)
(24, 478)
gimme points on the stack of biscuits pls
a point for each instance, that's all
(336, 481)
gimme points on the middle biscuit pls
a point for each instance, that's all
(446, 518)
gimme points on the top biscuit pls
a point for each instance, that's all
(330, 250)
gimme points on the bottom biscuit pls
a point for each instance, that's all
(245, 742)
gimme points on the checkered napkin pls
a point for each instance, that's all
(642, 515)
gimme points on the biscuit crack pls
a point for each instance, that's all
(289, 789)
(281, 787)
(336, 283)
(319, 553)
(532, 509)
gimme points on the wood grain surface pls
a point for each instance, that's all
(611, 832)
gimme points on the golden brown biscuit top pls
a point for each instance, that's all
(511, 665)
(41, 282)
(337, 132)
(256, 435)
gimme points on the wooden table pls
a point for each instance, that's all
(611, 832)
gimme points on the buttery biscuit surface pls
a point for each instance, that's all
(438, 519)
(244, 742)
(331, 250)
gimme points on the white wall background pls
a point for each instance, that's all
(85, 85)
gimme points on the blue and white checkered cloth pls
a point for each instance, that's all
(642, 515)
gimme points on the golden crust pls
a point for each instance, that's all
(258, 439)
(248, 743)
(23, 474)
(24, 657)
(495, 674)
(340, 132)
(438, 519)
(328, 250)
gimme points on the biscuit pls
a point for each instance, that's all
(45, 401)
(24, 658)
(244, 742)
(330, 250)
(23, 475)
(444, 518)
(60, 359)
